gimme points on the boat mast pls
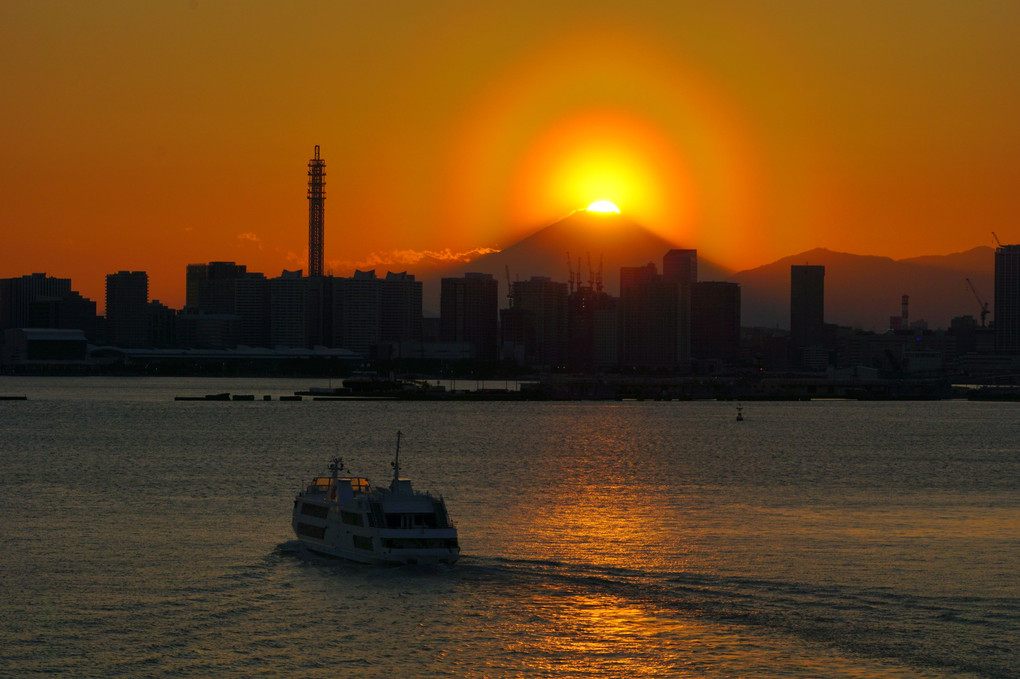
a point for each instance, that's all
(336, 466)
(396, 465)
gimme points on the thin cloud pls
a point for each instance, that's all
(397, 259)
(250, 237)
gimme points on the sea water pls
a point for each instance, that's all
(144, 537)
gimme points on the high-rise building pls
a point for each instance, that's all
(468, 309)
(162, 325)
(633, 276)
(224, 289)
(592, 330)
(368, 311)
(287, 310)
(207, 331)
(316, 213)
(127, 309)
(680, 266)
(318, 311)
(807, 314)
(210, 288)
(1007, 298)
(401, 308)
(251, 306)
(538, 322)
(807, 303)
(654, 319)
(17, 295)
(357, 312)
(606, 331)
(715, 320)
(67, 312)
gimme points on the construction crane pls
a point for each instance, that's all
(591, 274)
(984, 304)
(997, 241)
(509, 288)
(570, 267)
(598, 277)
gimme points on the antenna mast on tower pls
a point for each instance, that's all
(316, 212)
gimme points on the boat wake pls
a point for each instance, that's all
(289, 548)
(931, 631)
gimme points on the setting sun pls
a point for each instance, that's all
(603, 206)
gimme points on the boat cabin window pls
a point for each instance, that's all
(324, 484)
(351, 518)
(359, 485)
(318, 511)
(320, 485)
(415, 520)
(318, 532)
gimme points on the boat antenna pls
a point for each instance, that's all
(336, 465)
(396, 463)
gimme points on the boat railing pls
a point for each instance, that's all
(377, 513)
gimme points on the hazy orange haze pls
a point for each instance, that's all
(146, 136)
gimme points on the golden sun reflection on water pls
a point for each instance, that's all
(621, 637)
(605, 527)
(598, 517)
(618, 635)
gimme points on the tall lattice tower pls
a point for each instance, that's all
(316, 212)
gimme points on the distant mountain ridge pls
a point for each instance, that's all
(863, 291)
(615, 239)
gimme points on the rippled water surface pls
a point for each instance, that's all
(146, 537)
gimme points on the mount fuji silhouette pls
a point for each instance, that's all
(861, 291)
(589, 237)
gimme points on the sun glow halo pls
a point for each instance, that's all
(599, 153)
(603, 206)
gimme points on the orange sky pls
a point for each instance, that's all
(146, 136)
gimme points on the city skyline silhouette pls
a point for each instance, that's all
(146, 140)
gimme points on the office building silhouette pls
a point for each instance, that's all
(369, 312)
(18, 294)
(287, 310)
(807, 310)
(401, 308)
(592, 330)
(680, 266)
(211, 288)
(468, 310)
(127, 309)
(654, 316)
(715, 320)
(534, 329)
(1007, 298)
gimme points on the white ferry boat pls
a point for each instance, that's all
(345, 517)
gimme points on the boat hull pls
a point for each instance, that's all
(411, 557)
(350, 532)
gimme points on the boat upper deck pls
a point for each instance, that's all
(323, 486)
